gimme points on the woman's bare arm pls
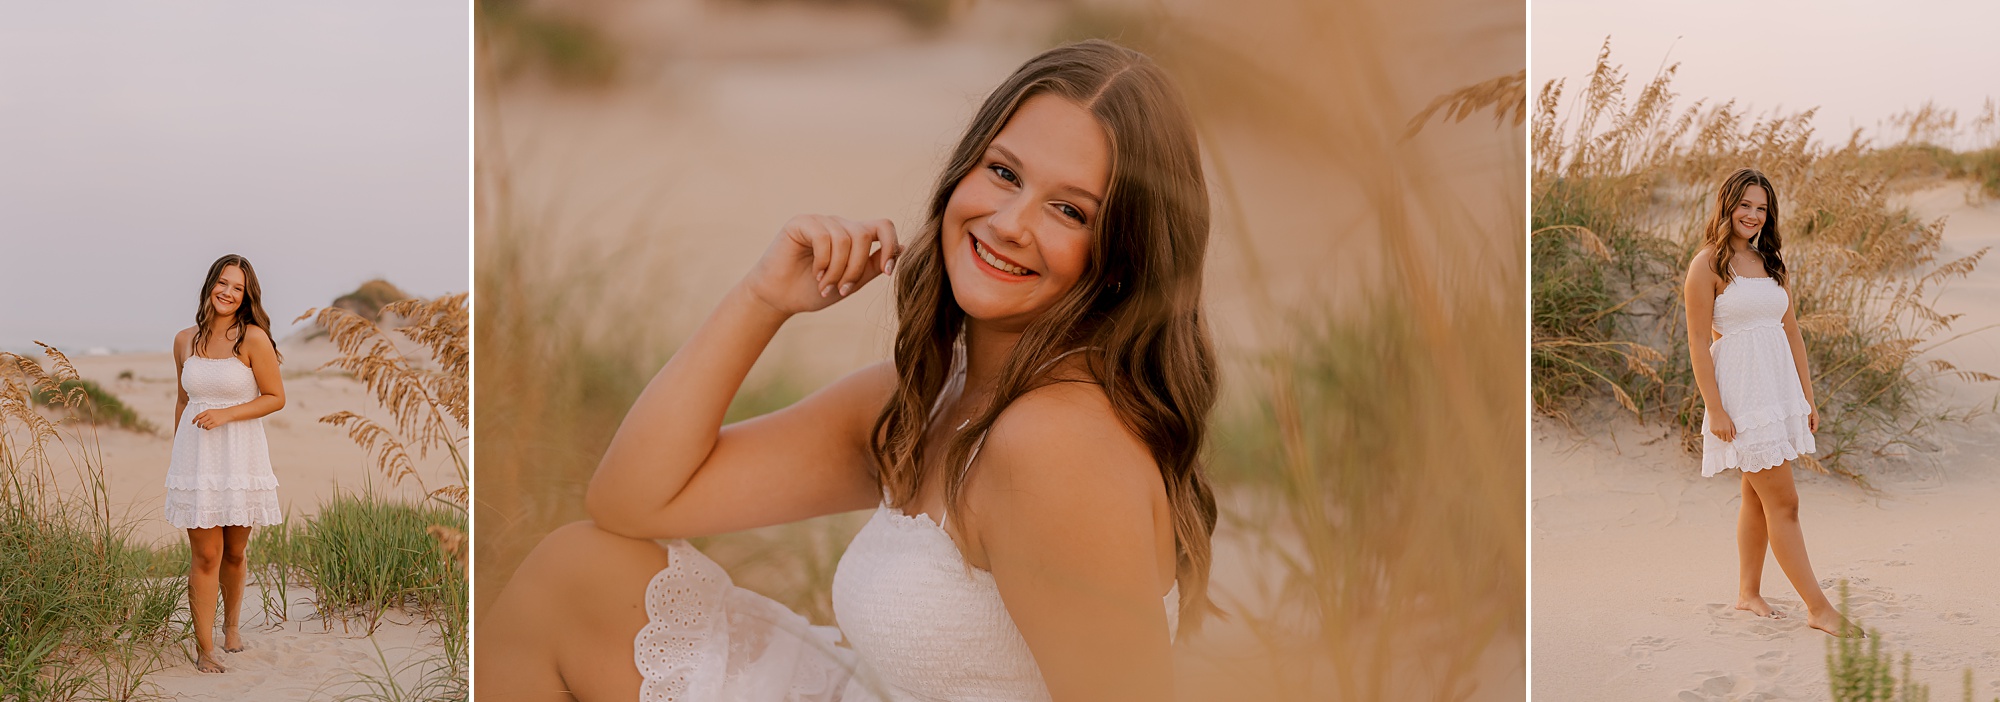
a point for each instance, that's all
(182, 342)
(1063, 503)
(1698, 297)
(1800, 360)
(672, 470)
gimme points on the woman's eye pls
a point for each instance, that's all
(1070, 212)
(1003, 172)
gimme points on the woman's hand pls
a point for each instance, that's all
(210, 419)
(1812, 420)
(817, 260)
(1720, 425)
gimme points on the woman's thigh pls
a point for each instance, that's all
(565, 623)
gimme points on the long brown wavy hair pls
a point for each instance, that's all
(1767, 242)
(1138, 302)
(249, 312)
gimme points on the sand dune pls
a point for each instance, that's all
(1634, 553)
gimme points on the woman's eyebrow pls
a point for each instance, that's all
(1074, 190)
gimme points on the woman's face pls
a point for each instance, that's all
(1747, 219)
(228, 291)
(1017, 228)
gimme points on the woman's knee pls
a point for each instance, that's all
(234, 555)
(578, 554)
(206, 557)
(1781, 506)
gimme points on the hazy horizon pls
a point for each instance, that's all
(328, 143)
(1860, 63)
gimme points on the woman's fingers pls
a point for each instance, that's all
(836, 264)
(846, 254)
(885, 232)
(859, 259)
(818, 240)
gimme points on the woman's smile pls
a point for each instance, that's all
(997, 265)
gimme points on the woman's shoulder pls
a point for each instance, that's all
(1704, 260)
(1068, 434)
(1701, 268)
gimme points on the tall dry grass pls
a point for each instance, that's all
(363, 554)
(1369, 463)
(79, 618)
(1378, 471)
(1620, 192)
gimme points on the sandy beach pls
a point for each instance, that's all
(295, 656)
(1634, 560)
(299, 657)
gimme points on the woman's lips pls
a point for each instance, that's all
(976, 246)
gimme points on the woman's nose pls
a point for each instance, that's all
(1009, 220)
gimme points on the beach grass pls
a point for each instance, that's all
(92, 403)
(80, 618)
(363, 554)
(1620, 188)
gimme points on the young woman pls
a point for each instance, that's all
(1755, 387)
(219, 483)
(1041, 518)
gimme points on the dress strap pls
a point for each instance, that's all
(981, 442)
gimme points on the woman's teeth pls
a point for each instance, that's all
(995, 261)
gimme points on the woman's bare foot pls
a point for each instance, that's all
(208, 665)
(232, 640)
(1831, 621)
(1755, 604)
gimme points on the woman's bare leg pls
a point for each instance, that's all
(1780, 497)
(204, 562)
(235, 540)
(1752, 542)
(563, 627)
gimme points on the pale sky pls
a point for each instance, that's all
(139, 141)
(1859, 62)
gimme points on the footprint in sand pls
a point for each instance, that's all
(1717, 686)
(1644, 647)
(1771, 664)
(1866, 601)
(1959, 618)
(1727, 620)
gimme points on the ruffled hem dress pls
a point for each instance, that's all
(917, 622)
(1758, 381)
(221, 476)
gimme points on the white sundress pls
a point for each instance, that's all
(919, 623)
(220, 476)
(1758, 381)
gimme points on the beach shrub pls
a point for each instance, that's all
(92, 403)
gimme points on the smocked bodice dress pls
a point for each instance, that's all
(918, 621)
(221, 476)
(1758, 382)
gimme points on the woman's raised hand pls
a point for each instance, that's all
(816, 260)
